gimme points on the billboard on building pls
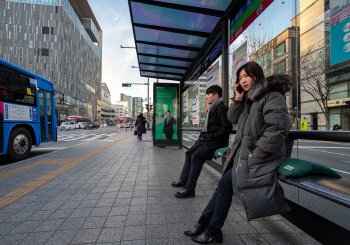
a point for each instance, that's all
(165, 117)
(340, 30)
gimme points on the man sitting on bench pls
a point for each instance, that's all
(214, 135)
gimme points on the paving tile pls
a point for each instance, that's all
(13, 239)
(110, 235)
(136, 242)
(37, 238)
(94, 222)
(19, 216)
(100, 211)
(139, 209)
(81, 213)
(86, 236)
(134, 233)
(156, 219)
(242, 227)
(158, 242)
(6, 227)
(156, 231)
(61, 237)
(115, 221)
(26, 227)
(105, 202)
(276, 238)
(136, 219)
(61, 213)
(122, 210)
(254, 239)
(49, 225)
(72, 224)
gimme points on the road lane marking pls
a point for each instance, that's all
(320, 147)
(68, 164)
(341, 154)
(340, 171)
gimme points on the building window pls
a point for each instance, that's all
(53, 67)
(14, 28)
(30, 66)
(8, 5)
(48, 22)
(39, 22)
(37, 29)
(51, 45)
(9, 35)
(24, 6)
(55, 38)
(50, 16)
(6, 27)
(10, 20)
(280, 68)
(4, 12)
(30, 43)
(19, 28)
(25, 36)
(11, 50)
(21, 54)
(280, 49)
(44, 37)
(34, 7)
(29, 21)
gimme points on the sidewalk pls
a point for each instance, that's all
(117, 192)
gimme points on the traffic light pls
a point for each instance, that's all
(347, 104)
(126, 84)
(151, 107)
(146, 106)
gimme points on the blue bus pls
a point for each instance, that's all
(27, 111)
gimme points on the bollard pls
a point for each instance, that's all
(147, 125)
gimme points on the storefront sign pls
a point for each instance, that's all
(341, 102)
(340, 30)
(212, 75)
(248, 17)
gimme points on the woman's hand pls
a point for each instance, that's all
(239, 96)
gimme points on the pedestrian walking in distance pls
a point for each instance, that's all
(140, 126)
(250, 172)
(214, 135)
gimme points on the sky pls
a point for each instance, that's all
(113, 17)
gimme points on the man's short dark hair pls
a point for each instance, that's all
(214, 89)
(168, 111)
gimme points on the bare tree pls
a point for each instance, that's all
(314, 67)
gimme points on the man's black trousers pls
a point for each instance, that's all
(191, 170)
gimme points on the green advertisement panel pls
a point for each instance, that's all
(166, 113)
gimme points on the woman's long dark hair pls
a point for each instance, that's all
(253, 70)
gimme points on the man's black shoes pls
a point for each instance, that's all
(207, 237)
(184, 193)
(179, 183)
(198, 229)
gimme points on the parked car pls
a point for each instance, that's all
(97, 124)
(67, 126)
(104, 125)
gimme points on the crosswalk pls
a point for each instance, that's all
(84, 137)
(194, 137)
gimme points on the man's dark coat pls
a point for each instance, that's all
(140, 125)
(169, 127)
(217, 135)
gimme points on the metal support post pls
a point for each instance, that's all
(225, 61)
(148, 99)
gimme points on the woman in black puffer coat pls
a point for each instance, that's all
(140, 125)
(250, 171)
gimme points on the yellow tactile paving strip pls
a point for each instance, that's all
(33, 185)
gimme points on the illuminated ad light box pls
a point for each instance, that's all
(166, 114)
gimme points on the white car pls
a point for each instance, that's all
(67, 126)
(104, 125)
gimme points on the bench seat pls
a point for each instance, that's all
(330, 188)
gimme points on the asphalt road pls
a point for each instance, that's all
(334, 155)
(70, 138)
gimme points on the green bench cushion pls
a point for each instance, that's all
(221, 152)
(292, 167)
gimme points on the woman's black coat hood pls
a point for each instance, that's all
(276, 83)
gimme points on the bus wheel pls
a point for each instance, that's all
(20, 144)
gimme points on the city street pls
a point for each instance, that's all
(331, 154)
(70, 138)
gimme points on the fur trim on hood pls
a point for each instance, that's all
(276, 83)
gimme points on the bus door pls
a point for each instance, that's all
(46, 123)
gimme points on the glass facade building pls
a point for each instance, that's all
(48, 38)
